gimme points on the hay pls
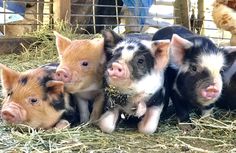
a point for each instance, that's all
(209, 135)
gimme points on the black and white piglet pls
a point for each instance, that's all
(194, 73)
(134, 80)
(228, 98)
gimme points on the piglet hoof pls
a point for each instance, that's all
(142, 128)
(107, 122)
(149, 122)
(84, 117)
(62, 124)
(146, 128)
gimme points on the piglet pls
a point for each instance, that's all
(134, 77)
(81, 69)
(33, 98)
(227, 100)
(194, 74)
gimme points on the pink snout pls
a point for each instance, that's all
(12, 115)
(116, 70)
(210, 93)
(63, 75)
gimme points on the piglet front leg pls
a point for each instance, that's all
(97, 108)
(84, 110)
(141, 109)
(108, 120)
(149, 123)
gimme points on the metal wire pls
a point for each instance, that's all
(92, 16)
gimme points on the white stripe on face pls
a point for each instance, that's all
(213, 62)
(126, 54)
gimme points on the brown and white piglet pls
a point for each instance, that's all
(81, 69)
(34, 99)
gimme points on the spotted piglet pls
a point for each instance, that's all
(135, 81)
(195, 71)
(34, 99)
(81, 69)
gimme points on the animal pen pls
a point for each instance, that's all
(22, 24)
(91, 16)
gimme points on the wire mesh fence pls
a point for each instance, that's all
(18, 17)
(202, 22)
(124, 15)
(86, 15)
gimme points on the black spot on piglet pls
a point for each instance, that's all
(42, 83)
(130, 47)
(58, 104)
(118, 50)
(23, 80)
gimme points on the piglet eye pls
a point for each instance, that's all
(33, 100)
(9, 93)
(84, 63)
(222, 71)
(193, 68)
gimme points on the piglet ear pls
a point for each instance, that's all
(178, 47)
(160, 50)
(55, 87)
(110, 38)
(8, 77)
(99, 42)
(229, 49)
(110, 41)
(230, 54)
(61, 42)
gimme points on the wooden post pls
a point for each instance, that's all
(62, 10)
(182, 12)
(51, 19)
(39, 11)
(201, 17)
